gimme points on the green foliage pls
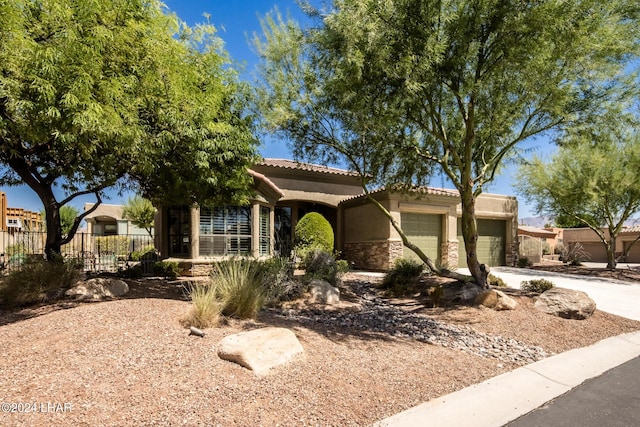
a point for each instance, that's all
(167, 269)
(16, 249)
(524, 262)
(276, 276)
(37, 280)
(400, 90)
(140, 212)
(403, 277)
(95, 95)
(537, 285)
(320, 264)
(132, 272)
(497, 281)
(206, 309)
(118, 245)
(592, 180)
(312, 232)
(68, 215)
(148, 253)
(238, 287)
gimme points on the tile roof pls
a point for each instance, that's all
(293, 165)
(415, 190)
(631, 229)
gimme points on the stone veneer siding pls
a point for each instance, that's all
(378, 255)
(511, 255)
(450, 254)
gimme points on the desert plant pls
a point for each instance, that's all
(574, 254)
(496, 281)
(166, 269)
(320, 264)
(238, 287)
(558, 248)
(537, 285)
(524, 262)
(37, 280)
(403, 276)
(148, 252)
(206, 309)
(312, 232)
(276, 276)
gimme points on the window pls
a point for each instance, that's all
(265, 231)
(225, 230)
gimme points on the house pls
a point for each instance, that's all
(18, 219)
(107, 220)
(286, 190)
(534, 240)
(595, 249)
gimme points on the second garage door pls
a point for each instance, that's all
(491, 242)
(424, 231)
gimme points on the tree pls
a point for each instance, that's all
(140, 212)
(592, 180)
(68, 215)
(402, 88)
(115, 93)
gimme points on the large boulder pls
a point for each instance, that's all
(260, 349)
(98, 289)
(566, 303)
(496, 300)
(459, 293)
(322, 292)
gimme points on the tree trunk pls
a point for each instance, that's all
(480, 272)
(53, 244)
(611, 253)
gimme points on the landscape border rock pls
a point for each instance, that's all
(97, 289)
(496, 300)
(262, 349)
(566, 303)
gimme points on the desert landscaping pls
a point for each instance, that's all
(129, 361)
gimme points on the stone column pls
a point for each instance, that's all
(255, 229)
(194, 231)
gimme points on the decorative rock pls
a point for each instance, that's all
(322, 292)
(460, 293)
(98, 289)
(566, 303)
(496, 300)
(260, 349)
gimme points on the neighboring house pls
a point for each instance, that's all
(533, 241)
(286, 190)
(596, 250)
(107, 220)
(18, 219)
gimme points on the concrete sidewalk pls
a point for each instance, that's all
(504, 398)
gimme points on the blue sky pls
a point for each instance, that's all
(236, 22)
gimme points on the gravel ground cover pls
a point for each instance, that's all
(129, 362)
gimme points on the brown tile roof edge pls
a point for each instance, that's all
(631, 229)
(417, 190)
(266, 180)
(541, 232)
(294, 165)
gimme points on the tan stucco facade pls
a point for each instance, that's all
(594, 247)
(363, 234)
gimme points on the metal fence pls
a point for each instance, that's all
(95, 253)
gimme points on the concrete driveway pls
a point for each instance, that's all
(613, 296)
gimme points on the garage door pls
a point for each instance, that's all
(634, 254)
(491, 241)
(596, 252)
(424, 231)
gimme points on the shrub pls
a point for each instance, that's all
(574, 254)
(148, 252)
(322, 265)
(313, 231)
(497, 281)
(558, 249)
(167, 269)
(133, 272)
(524, 262)
(37, 280)
(238, 287)
(536, 285)
(276, 276)
(118, 245)
(402, 278)
(206, 307)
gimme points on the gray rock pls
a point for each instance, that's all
(261, 349)
(98, 289)
(566, 303)
(322, 292)
(459, 293)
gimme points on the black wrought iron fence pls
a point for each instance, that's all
(94, 253)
